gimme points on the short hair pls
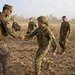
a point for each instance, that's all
(30, 18)
(64, 17)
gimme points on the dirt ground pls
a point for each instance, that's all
(23, 55)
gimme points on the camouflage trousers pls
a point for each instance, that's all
(4, 57)
(63, 40)
(40, 57)
(54, 44)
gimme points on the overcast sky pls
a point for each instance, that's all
(35, 8)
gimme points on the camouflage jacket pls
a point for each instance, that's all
(5, 27)
(44, 35)
(65, 29)
(31, 26)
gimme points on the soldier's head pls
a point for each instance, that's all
(30, 19)
(64, 18)
(42, 20)
(7, 9)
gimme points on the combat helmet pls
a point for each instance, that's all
(42, 19)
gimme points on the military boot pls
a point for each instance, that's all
(63, 51)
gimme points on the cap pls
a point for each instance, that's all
(9, 7)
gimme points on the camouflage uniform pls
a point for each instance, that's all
(53, 42)
(65, 31)
(31, 26)
(44, 37)
(5, 29)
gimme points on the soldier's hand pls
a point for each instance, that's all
(53, 54)
(22, 37)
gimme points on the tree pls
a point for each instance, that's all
(13, 17)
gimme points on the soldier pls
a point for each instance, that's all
(31, 25)
(5, 29)
(16, 26)
(65, 31)
(44, 37)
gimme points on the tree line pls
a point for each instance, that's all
(51, 19)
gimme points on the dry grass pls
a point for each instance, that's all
(23, 55)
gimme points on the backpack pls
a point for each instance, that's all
(16, 26)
